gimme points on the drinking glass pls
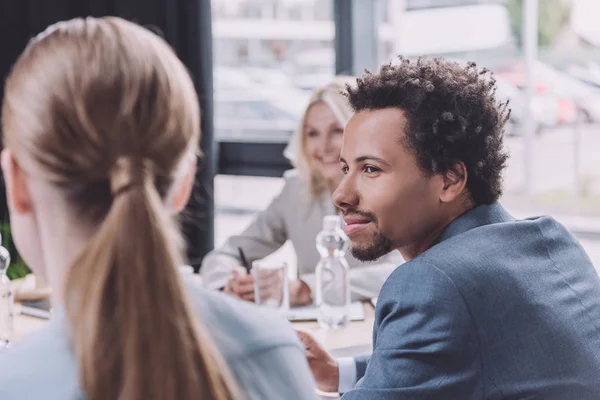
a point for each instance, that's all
(271, 285)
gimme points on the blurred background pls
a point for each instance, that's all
(270, 54)
(256, 62)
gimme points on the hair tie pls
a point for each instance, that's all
(128, 172)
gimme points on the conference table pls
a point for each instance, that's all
(356, 334)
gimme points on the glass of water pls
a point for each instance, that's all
(271, 285)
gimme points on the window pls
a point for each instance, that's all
(269, 55)
(267, 63)
(462, 28)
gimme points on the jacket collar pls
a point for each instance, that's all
(474, 218)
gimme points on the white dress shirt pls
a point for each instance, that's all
(347, 373)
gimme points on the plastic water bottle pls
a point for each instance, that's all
(6, 300)
(333, 279)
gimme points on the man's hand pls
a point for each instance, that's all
(324, 367)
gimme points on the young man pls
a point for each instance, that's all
(486, 307)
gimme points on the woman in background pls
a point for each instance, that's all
(101, 125)
(297, 212)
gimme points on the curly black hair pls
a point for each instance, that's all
(452, 116)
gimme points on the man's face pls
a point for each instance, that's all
(386, 200)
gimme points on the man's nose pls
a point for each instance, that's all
(345, 196)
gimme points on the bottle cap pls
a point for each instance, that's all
(332, 222)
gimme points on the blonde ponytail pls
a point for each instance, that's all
(134, 335)
(105, 111)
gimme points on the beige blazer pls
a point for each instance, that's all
(296, 216)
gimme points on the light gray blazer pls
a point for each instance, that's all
(296, 216)
(261, 349)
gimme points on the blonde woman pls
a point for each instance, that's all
(297, 212)
(101, 124)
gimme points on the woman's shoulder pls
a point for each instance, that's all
(43, 365)
(240, 328)
(261, 348)
(294, 180)
(40, 366)
(297, 188)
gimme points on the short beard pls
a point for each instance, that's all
(379, 247)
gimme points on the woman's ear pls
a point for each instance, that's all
(17, 189)
(183, 189)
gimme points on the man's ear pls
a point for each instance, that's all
(183, 190)
(455, 182)
(17, 190)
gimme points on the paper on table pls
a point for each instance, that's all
(310, 313)
(351, 351)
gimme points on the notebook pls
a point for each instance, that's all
(37, 308)
(310, 313)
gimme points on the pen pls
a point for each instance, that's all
(243, 260)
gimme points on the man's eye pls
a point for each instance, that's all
(371, 169)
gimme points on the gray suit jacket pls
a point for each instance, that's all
(497, 309)
(296, 216)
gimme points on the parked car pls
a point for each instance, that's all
(586, 97)
(588, 73)
(555, 87)
(544, 109)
